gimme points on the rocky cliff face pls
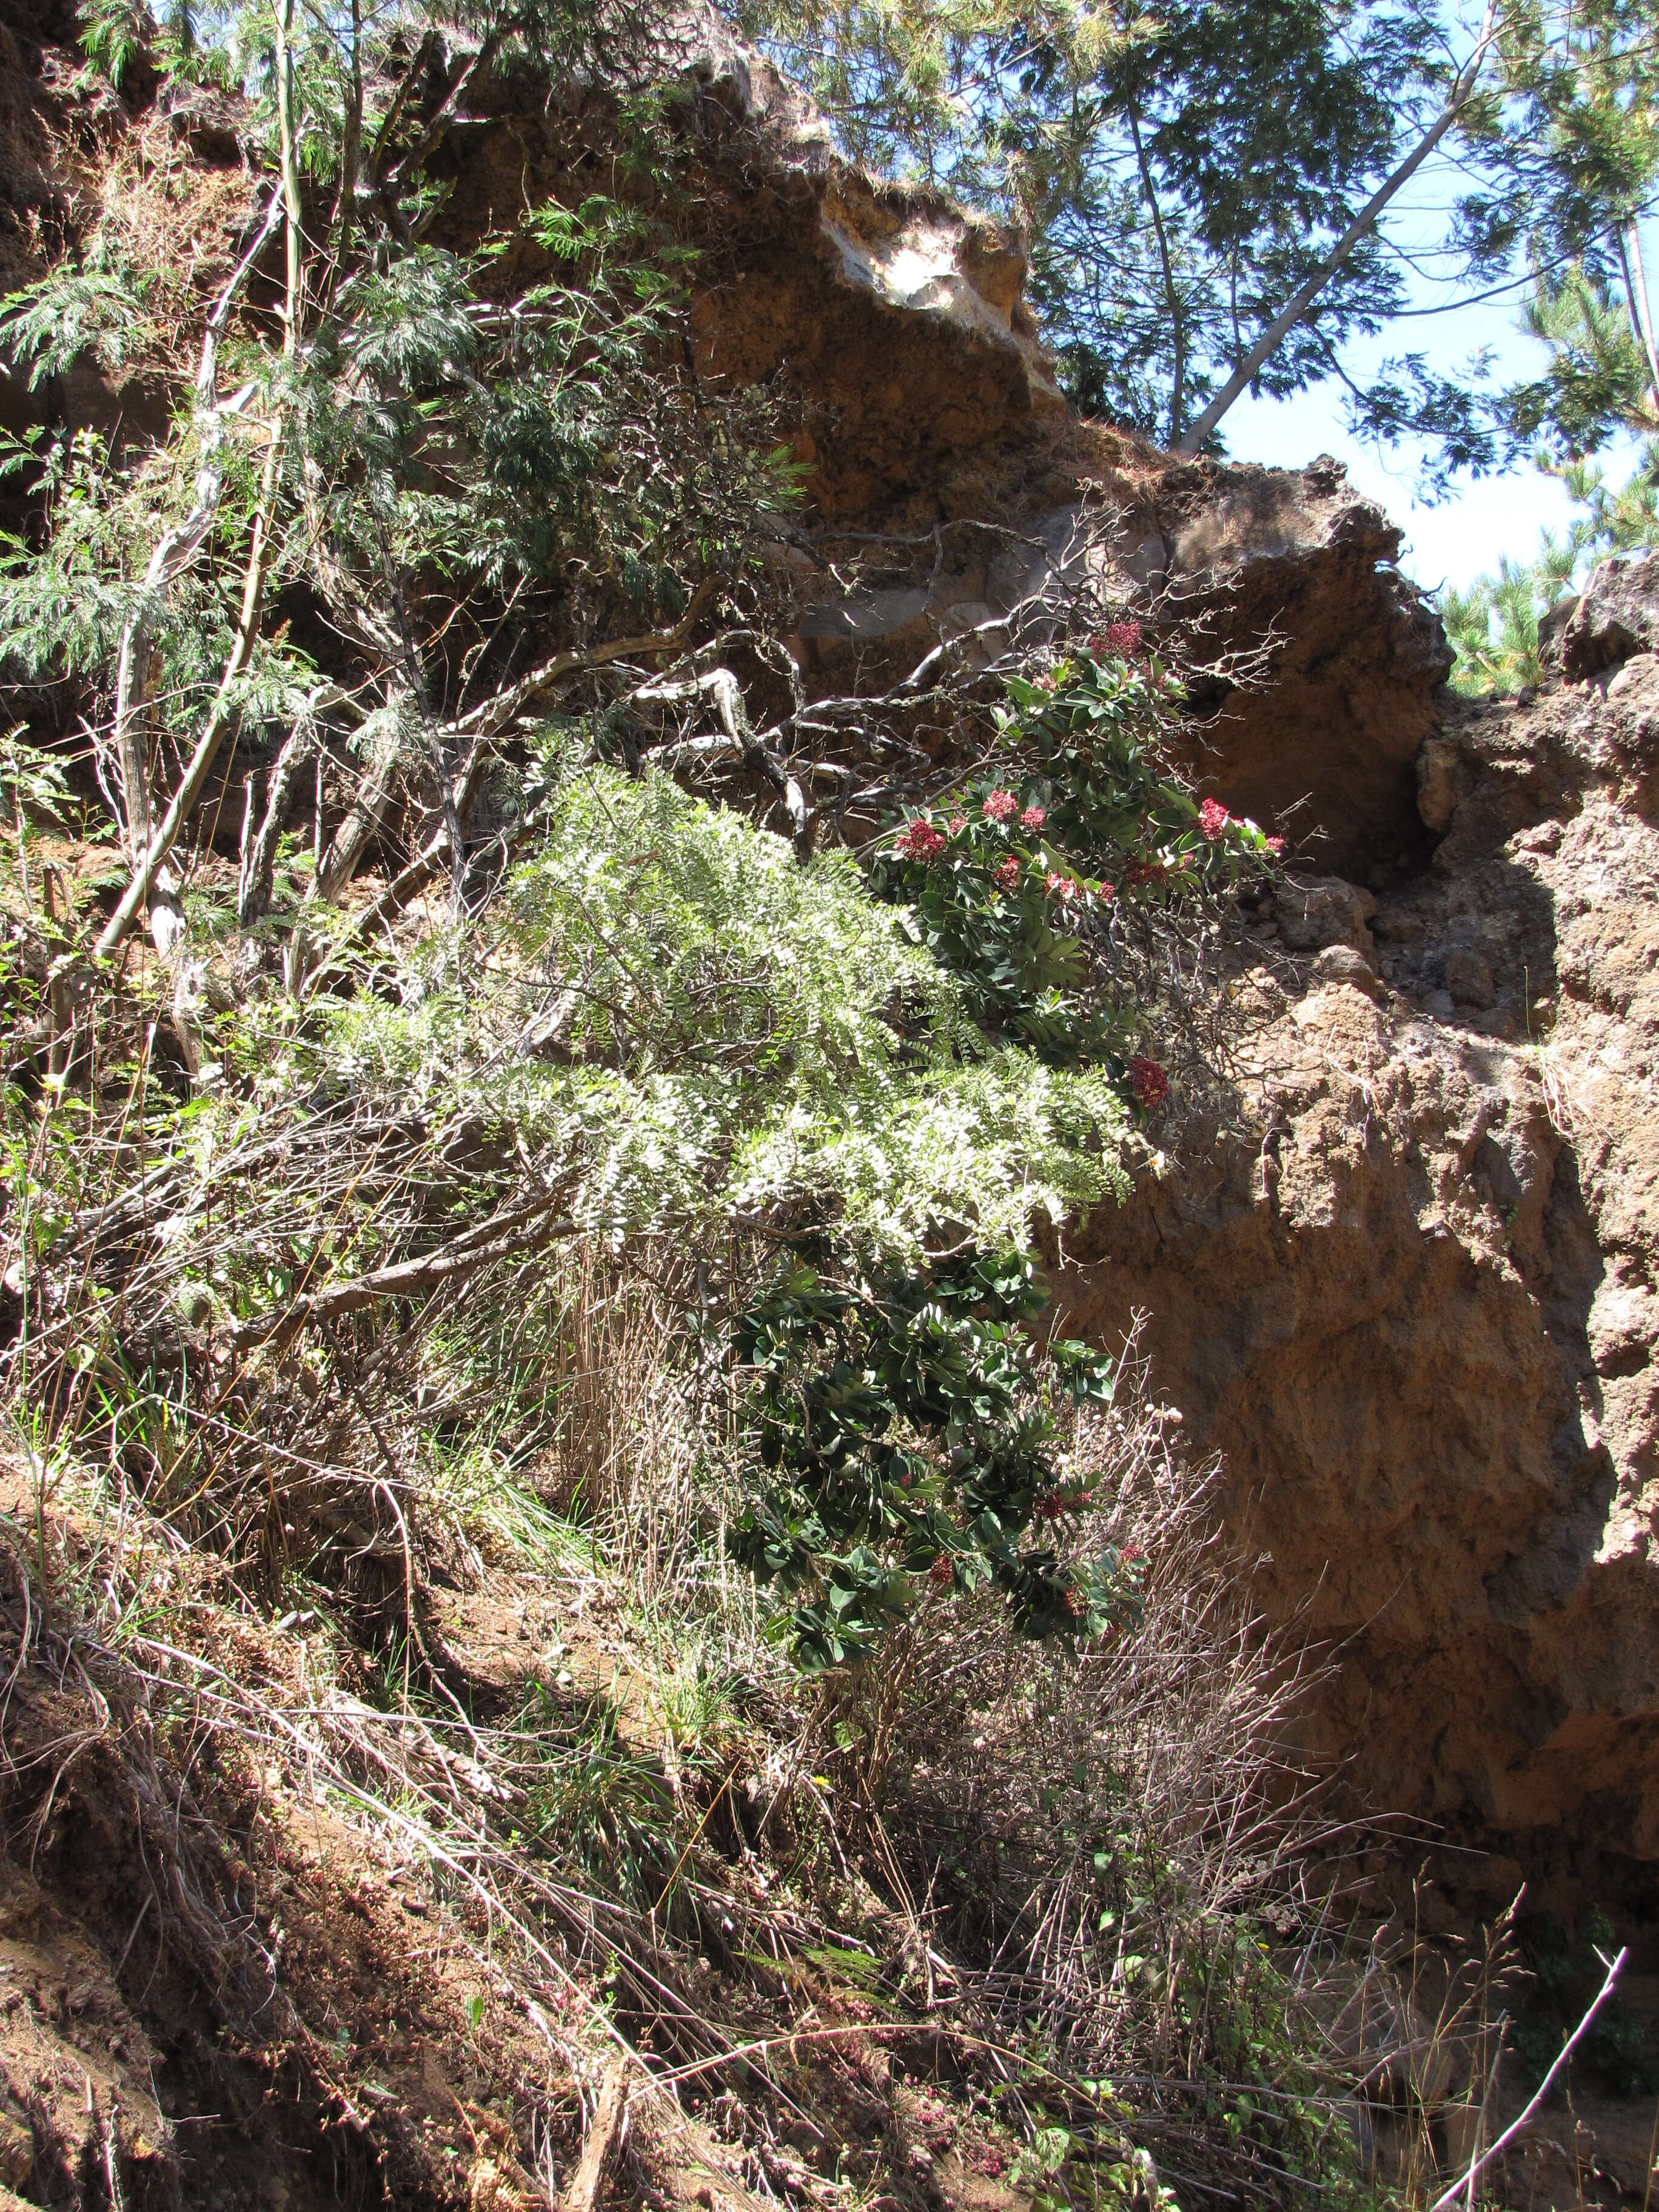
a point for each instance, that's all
(1406, 1283)
(1409, 1288)
(1410, 1294)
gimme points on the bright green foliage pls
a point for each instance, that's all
(907, 1425)
(693, 1025)
(1598, 381)
(608, 1807)
(78, 309)
(1494, 626)
(114, 35)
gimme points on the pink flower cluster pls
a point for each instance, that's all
(958, 822)
(1276, 846)
(1000, 806)
(919, 840)
(1122, 638)
(1062, 887)
(1212, 819)
(1033, 819)
(1006, 873)
(1149, 1081)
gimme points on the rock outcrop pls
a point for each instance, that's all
(1411, 1293)
(893, 329)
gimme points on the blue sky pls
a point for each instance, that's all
(1461, 537)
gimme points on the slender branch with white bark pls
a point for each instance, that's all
(173, 553)
(1523, 2120)
(1462, 91)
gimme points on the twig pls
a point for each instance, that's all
(1448, 2197)
(601, 2144)
(523, 1229)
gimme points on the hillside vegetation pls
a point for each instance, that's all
(546, 1524)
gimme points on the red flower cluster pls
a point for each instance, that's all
(1107, 890)
(958, 822)
(1212, 819)
(1122, 638)
(1056, 1505)
(999, 806)
(1144, 871)
(1063, 887)
(1276, 846)
(1006, 873)
(1033, 819)
(1076, 1604)
(919, 840)
(942, 1572)
(1149, 1081)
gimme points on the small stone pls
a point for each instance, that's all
(1438, 782)
(1468, 979)
(1323, 911)
(1340, 963)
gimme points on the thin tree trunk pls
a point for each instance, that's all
(174, 551)
(160, 841)
(1641, 314)
(259, 847)
(293, 297)
(1177, 329)
(351, 840)
(1280, 328)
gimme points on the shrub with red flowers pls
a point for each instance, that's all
(1009, 914)
(1013, 894)
(906, 1425)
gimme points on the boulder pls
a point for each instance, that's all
(1617, 615)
